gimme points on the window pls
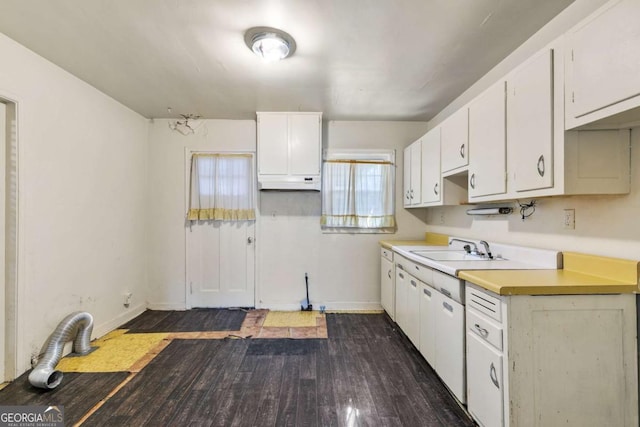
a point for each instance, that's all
(357, 191)
(222, 187)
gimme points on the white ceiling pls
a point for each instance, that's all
(355, 59)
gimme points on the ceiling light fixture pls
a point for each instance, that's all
(269, 43)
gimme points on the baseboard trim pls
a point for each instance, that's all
(329, 306)
(166, 306)
(123, 318)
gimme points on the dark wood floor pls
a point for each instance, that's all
(195, 320)
(366, 373)
(78, 393)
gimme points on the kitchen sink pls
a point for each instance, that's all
(452, 256)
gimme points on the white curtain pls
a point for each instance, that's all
(357, 194)
(222, 187)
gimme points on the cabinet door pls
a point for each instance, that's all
(387, 291)
(431, 177)
(413, 311)
(407, 176)
(604, 63)
(450, 345)
(487, 135)
(455, 140)
(273, 145)
(304, 144)
(484, 383)
(530, 123)
(428, 324)
(402, 282)
(416, 172)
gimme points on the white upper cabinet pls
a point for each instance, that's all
(431, 177)
(289, 150)
(530, 123)
(487, 135)
(455, 142)
(413, 174)
(603, 66)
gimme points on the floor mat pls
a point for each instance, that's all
(194, 320)
(117, 352)
(292, 319)
(78, 393)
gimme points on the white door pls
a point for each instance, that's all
(406, 181)
(455, 140)
(428, 324)
(530, 123)
(450, 360)
(220, 264)
(401, 298)
(487, 135)
(304, 144)
(431, 177)
(416, 172)
(273, 140)
(484, 382)
(220, 255)
(387, 291)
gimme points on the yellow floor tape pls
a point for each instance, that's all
(117, 351)
(291, 319)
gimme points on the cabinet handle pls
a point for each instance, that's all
(407, 195)
(412, 194)
(482, 331)
(494, 375)
(417, 268)
(249, 240)
(462, 151)
(435, 189)
(401, 276)
(413, 283)
(427, 292)
(541, 162)
(389, 273)
(400, 266)
(445, 292)
(472, 181)
(447, 306)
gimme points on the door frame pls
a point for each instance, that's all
(188, 152)
(13, 339)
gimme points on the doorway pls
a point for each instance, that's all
(220, 257)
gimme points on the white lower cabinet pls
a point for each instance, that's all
(484, 382)
(450, 364)
(428, 323)
(387, 282)
(428, 312)
(412, 328)
(402, 282)
(551, 360)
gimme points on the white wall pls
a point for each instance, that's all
(605, 225)
(343, 268)
(82, 199)
(167, 209)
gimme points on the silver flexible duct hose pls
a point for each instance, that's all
(78, 325)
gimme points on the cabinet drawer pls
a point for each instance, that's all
(484, 329)
(484, 303)
(420, 272)
(449, 286)
(386, 253)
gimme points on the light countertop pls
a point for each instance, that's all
(430, 239)
(582, 274)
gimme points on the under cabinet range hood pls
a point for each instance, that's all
(289, 183)
(289, 147)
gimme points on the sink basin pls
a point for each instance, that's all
(452, 256)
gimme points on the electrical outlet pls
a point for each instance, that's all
(569, 219)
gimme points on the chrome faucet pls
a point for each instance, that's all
(467, 247)
(486, 248)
